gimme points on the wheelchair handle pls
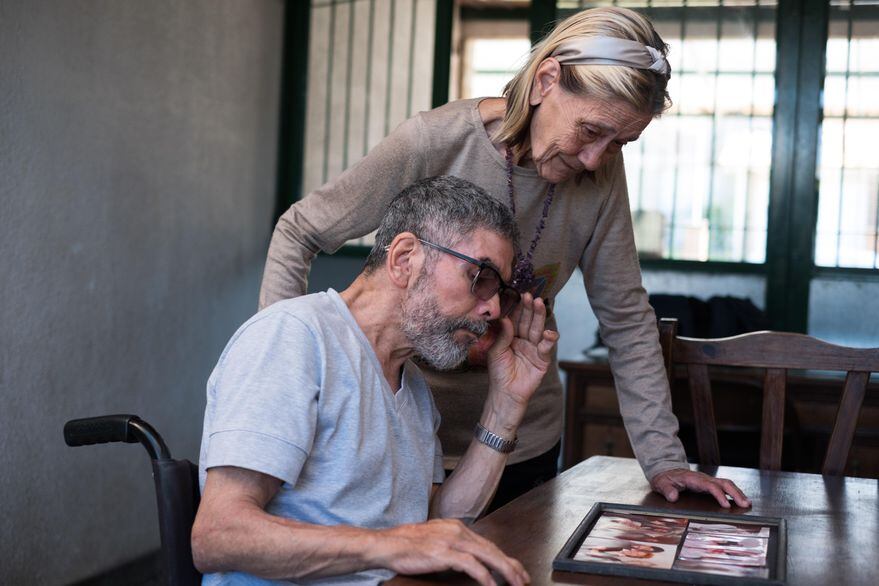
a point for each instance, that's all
(116, 428)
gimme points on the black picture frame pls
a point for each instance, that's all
(776, 555)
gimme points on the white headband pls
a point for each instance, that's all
(611, 51)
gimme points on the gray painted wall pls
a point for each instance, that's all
(137, 168)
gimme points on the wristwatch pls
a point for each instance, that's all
(493, 440)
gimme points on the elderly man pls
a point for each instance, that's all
(319, 460)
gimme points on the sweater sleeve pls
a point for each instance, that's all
(349, 206)
(612, 276)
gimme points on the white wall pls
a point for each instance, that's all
(137, 170)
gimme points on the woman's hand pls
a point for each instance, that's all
(671, 482)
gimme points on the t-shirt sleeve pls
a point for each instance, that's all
(263, 398)
(349, 206)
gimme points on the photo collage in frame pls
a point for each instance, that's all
(674, 545)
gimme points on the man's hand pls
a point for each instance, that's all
(671, 482)
(521, 354)
(445, 544)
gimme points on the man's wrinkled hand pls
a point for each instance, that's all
(522, 353)
(446, 544)
(671, 482)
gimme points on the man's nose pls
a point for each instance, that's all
(491, 308)
(590, 155)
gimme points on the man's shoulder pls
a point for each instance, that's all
(304, 307)
(305, 315)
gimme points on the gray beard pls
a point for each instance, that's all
(431, 333)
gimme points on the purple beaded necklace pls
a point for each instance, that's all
(523, 273)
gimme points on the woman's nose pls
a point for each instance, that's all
(590, 156)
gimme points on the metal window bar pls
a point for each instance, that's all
(876, 236)
(390, 67)
(648, 11)
(672, 249)
(750, 173)
(329, 99)
(711, 213)
(411, 58)
(848, 59)
(348, 72)
(367, 94)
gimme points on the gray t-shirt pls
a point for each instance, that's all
(299, 394)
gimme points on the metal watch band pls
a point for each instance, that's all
(494, 441)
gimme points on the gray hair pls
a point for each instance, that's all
(443, 210)
(644, 90)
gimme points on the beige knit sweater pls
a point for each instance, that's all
(589, 226)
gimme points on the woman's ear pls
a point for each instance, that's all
(545, 78)
(403, 260)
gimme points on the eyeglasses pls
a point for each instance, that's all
(487, 283)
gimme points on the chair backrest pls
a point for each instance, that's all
(776, 352)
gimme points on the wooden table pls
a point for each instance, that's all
(832, 522)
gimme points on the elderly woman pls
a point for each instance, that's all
(551, 149)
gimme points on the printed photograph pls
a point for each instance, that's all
(630, 553)
(644, 528)
(721, 569)
(732, 542)
(740, 529)
(721, 555)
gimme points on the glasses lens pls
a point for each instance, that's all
(486, 283)
(509, 300)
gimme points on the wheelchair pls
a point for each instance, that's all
(177, 490)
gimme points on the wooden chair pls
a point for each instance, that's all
(777, 352)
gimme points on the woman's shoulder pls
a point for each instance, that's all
(425, 130)
(458, 115)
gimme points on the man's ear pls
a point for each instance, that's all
(545, 78)
(404, 259)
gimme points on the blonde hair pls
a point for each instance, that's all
(644, 90)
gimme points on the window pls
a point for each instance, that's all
(489, 63)
(699, 176)
(847, 233)
(370, 67)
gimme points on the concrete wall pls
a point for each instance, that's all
(137, 169)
